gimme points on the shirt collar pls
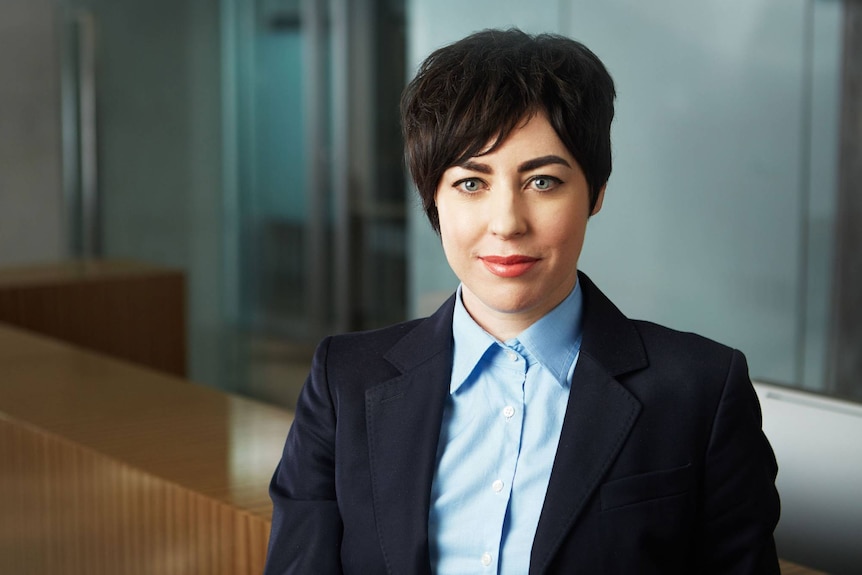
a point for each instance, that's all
(471, 343)
(554, 340)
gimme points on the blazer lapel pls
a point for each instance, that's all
(403, 417)
(599, 416)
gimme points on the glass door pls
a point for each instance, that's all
(254, 144)
(314, 210)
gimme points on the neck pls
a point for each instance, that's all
(500, 324)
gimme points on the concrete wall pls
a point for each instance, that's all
(719, 215)
(31, 215)
(158, 106)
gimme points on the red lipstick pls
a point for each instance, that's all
(508, 266)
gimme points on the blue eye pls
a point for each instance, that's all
(469, 185)
(544, 183)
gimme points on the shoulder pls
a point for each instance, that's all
(627, 346)
(361, 355)
(387, 351)
(402, 345)
(680, 347)
(369, 343)
(687, 373)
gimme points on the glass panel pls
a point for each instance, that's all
(719, 215)
(382, 272)
(243, 142)
(274, 158)
(318, 198)
(714, 168)
(157, 148)
(824, 27)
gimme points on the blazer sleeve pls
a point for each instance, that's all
(306, 523)
(741, 505)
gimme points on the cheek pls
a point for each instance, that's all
(454, 243)
(566, 231)
(456, 226)
(448, 235)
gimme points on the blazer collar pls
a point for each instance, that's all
(433, 335)
(403, 417)
(609, 337)
(599, 417)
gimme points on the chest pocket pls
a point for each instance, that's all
(646, 487)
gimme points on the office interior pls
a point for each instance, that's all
(254, 147)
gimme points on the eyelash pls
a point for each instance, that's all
(553, 183)
(459, 185)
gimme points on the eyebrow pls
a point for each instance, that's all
(527, 166)
(530, 165)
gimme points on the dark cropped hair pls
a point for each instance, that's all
(479, 89)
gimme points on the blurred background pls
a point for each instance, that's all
(230, 172)
(254, 145)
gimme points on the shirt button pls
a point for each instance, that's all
(512, 355)
(486, 559)
(497, 486)
(508, 411)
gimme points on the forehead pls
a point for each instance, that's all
(532, 137)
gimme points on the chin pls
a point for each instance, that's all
(510, 305)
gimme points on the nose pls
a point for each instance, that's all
(507, 214)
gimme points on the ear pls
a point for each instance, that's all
(599, 201)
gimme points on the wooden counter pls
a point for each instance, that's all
(106, 467)
(110, 468)
(70, 300)
(788, 568)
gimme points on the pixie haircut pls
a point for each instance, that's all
(479, 89)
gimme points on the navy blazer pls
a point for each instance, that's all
(661, 467)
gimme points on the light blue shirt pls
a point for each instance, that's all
(500, 430)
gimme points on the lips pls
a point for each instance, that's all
(508, 266)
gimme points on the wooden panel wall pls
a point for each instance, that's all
(127, 310)
(68, 509)
(109, 468)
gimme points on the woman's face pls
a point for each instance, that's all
(512, 224)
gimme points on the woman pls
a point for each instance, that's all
(528, 425)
